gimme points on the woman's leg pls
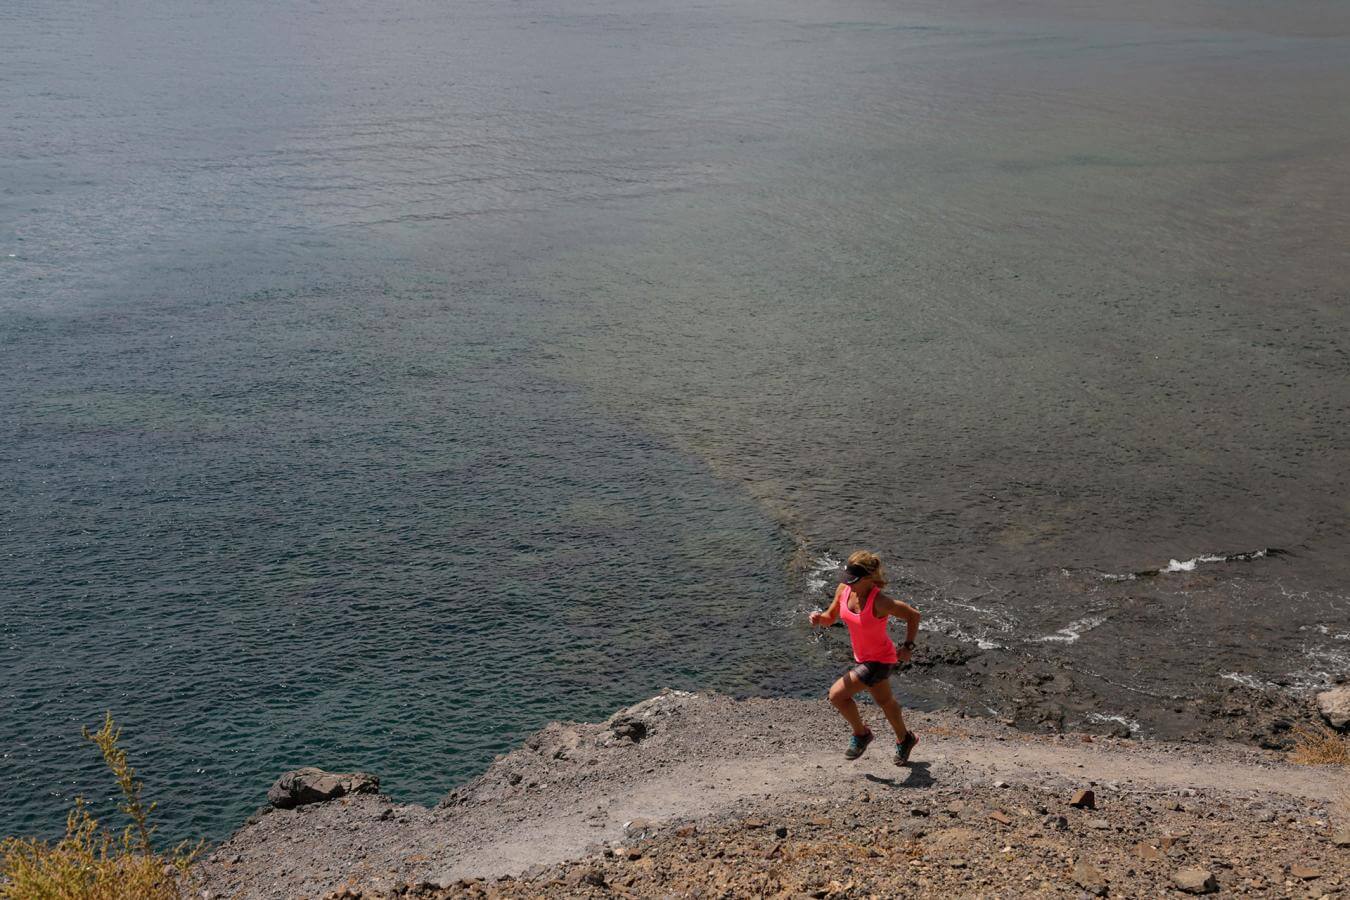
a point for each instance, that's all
(841, 697)
(881, 693)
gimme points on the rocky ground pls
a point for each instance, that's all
(704, 796)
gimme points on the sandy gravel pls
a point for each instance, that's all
(701, 795)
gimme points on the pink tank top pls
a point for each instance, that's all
(871, 643)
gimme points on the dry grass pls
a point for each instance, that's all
(90, 862)
(1320, 746)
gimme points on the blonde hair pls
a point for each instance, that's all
(869, 562)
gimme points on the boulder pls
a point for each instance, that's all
(311, 785)
(638, 721)
(1195, 881)
(1084, 799)
(630, 729)
(1334, 705)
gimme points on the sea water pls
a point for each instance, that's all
(381, 381)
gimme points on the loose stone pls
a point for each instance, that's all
(1195, 881)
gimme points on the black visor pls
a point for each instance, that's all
(852, 574)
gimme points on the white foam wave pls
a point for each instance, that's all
(1325, 665)
(1250, 681)
(822, 571)
(953, 630)
(1189, 565)
(1073, 631)
(1324, 629)
(1131, 724)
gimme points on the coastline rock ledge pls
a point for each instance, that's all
(702, 795)
(311, 785)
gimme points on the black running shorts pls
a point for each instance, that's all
(870, 673)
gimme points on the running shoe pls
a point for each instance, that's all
(857, 745)
(904, 748)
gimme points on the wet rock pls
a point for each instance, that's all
(311, 785)
(1195, 881)
(1275, 735)
(1084, 799)
(1059, 683)
(1334, 705)
(939, 651)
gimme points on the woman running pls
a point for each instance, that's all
(864, 609)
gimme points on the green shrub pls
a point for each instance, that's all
(90, 862)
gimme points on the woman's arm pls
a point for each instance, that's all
(829, 616)
(888, 606)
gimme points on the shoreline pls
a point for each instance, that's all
(653, 800)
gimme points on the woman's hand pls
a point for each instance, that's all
(818, 618)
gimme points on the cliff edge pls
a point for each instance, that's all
(702, 795)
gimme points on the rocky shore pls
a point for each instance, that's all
(1051, 692)
(705, 796)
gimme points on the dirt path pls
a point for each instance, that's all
(715, 762)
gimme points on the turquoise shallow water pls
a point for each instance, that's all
(379, 384)
(400, 558)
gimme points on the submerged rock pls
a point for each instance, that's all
(311, 785)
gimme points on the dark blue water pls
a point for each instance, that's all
(380, 382)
